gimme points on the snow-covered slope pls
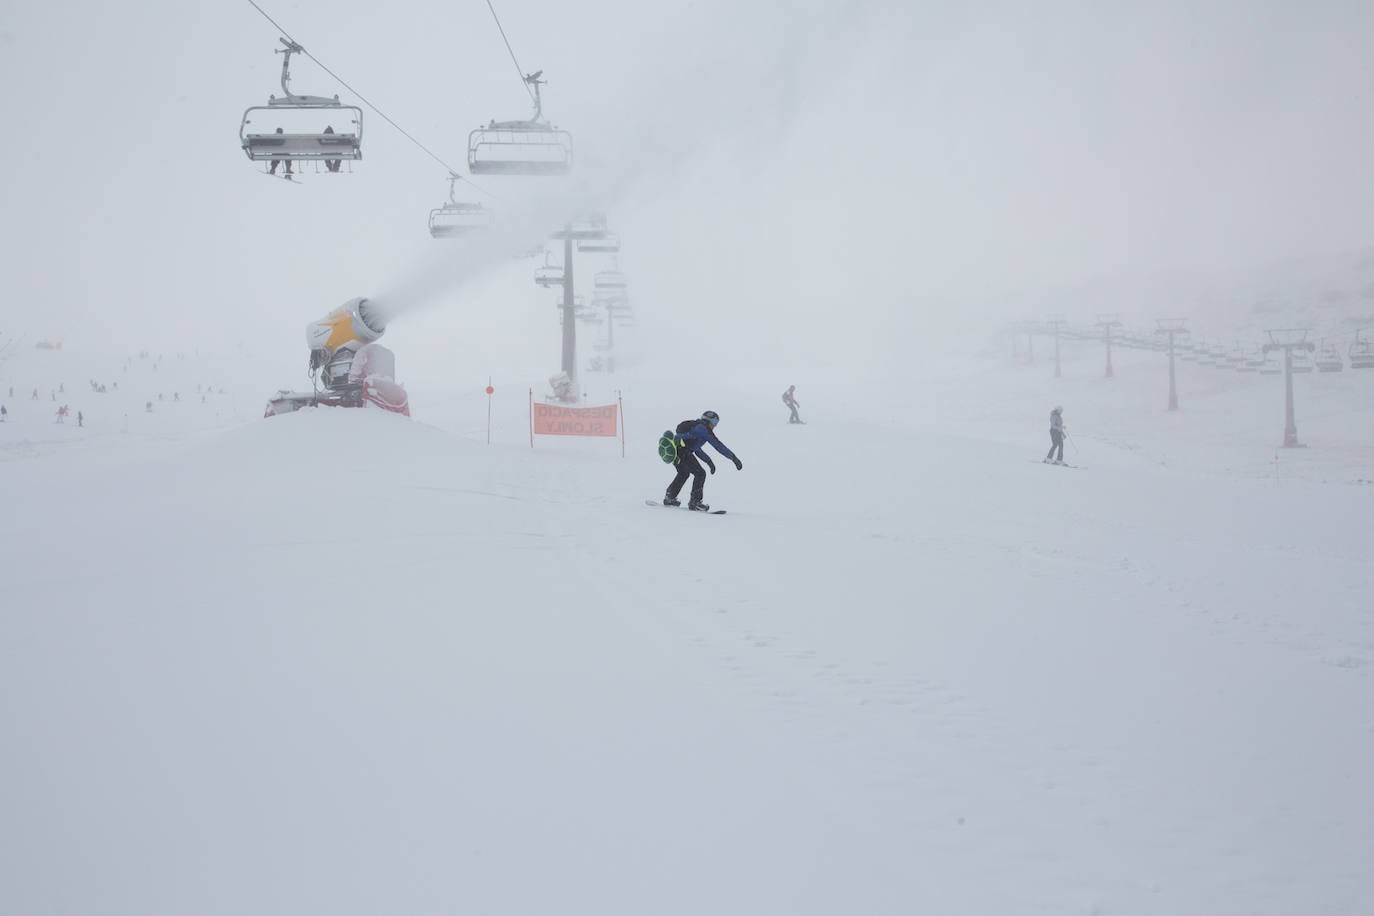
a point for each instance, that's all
(342, 661)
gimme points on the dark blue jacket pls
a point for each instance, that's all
(701, 434)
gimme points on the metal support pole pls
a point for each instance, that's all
(1288, 340)
(1172, 327)
(1290, 425)
(1056, 324)
(1173, 387)
(569, 318)
(1106, 324)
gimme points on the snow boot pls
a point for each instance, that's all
(670, 500)
(697, 505)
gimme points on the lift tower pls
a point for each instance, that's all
(1288, 340)
(1056, 323)
(1106, 323)
(1172, 327)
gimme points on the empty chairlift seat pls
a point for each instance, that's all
(457, 218)
(530, 147)
(519, 148)
(1361, 353)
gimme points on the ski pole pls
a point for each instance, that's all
(1071, 442)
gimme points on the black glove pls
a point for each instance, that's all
(739, 465)
(710, 465)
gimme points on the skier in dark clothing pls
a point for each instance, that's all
(1057, 431)
(692, 435)
(789, 398)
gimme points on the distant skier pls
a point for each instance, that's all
(80, 420)
(789, 398)
(1057, 432)
(692, 435)
(3, 413)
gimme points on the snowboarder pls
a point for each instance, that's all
(789, 398)
(692, 436)
(1057, 431)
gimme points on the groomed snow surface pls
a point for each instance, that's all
(344, 662)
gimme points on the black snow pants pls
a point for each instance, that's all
(1056, 444)
(687, 464)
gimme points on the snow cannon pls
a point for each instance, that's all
(335, 338)
(351, 368)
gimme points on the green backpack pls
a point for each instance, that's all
(667, 447)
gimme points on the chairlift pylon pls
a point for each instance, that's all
(529, 147)
(457, 218)
(312, 135)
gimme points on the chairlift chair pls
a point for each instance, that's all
(1361, 353)
(1329, 359)
(531, 147)
(609, 280)
(457, 218)
(311, 118)
(607, 244)
(589, 228)
(550, 275)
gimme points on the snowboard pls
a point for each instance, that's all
(654, 502)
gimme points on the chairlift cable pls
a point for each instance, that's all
(405, 133)
(518, 71)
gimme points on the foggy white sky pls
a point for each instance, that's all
(763, 161)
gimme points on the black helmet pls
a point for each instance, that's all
(711, 417)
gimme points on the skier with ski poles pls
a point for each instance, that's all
(692, 435)
(1057, 432)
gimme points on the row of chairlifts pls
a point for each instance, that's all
(301, 127)
(529, 147)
